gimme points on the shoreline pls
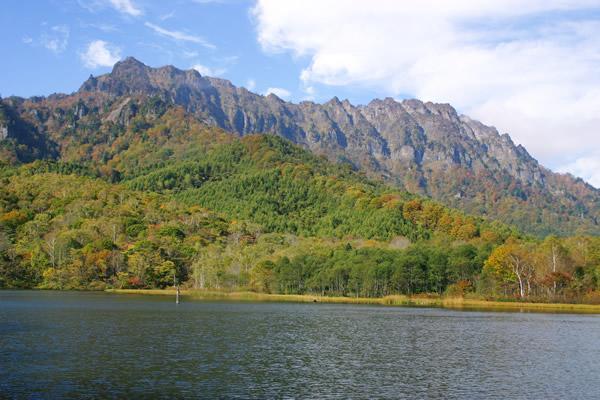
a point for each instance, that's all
(452, 303)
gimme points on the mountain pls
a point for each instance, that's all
(129, 191)
(260, 213)
(422, 147)
(217, 219)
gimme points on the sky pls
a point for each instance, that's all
(531, 68)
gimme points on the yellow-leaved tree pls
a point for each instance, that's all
(512, 262)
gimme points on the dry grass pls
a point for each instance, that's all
(461, 303)
(458, 303)
(249, 296)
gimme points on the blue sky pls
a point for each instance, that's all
(47, 43)
(38, 67)
(528, 67)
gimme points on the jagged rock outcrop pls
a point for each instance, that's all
(421, 146)
(3, 132)
(388, 134)
(21, 140)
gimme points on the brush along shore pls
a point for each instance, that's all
(394, 300)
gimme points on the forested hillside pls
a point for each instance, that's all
(424, 148)
(170, 196)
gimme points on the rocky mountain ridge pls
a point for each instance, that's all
(386, 132)
(421, 146)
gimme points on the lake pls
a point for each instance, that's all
(97, 345)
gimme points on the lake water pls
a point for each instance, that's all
(96, 345)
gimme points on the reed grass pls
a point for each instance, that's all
(457, 303)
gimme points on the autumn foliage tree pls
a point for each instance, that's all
(512, 263)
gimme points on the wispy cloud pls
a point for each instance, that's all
(279, 92)
(55, 39)
(229, 60)
(126, 7)
(189, 54)
(530, 68)
(105, 27)
(588, 166)
(108, 28)
(180, 36)
(250, 84)
(309, 92)
(210, 1)
(99, 53)
(167, 16)
(208, 71)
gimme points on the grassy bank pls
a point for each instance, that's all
(458, 303)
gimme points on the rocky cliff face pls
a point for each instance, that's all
(421, 146)
(389, 134)
(20, 140)
(3, 132)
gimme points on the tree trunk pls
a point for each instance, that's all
(521, 287)
(554, 270)
(517, 269)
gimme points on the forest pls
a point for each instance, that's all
(170, 199)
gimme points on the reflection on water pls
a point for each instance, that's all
(96, 345)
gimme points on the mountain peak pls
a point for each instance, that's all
(131, 76)
(128, 68)
(129, 61)
(421, 146)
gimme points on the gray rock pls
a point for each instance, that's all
(3, 132)
(422, 146)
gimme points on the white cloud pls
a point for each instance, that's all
(180, 36)
(309, 92)
(189, 54)
(167, 16)
(250, 84)
(587, 167)
(103, 27)
(529, 68)
(229, 60)
(126, 7)
(100, 54)
(279, 92)
(55, 39)
(208, 71)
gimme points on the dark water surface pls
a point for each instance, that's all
(95, 345)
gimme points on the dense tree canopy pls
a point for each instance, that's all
(259, 213)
